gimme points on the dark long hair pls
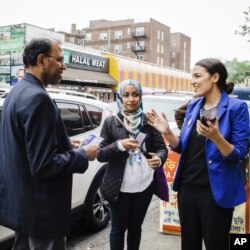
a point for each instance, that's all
(213, 66)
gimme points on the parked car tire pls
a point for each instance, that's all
(97, 213)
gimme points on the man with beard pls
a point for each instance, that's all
(37, 159)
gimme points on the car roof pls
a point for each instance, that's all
(70, 92)
(62, 96)
(169, 96)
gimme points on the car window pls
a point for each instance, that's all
(72, 118)
(95, 114)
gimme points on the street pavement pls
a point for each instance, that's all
(151, 238)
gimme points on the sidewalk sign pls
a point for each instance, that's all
(169, 217)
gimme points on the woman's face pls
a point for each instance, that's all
(130, 99)
(202, 82)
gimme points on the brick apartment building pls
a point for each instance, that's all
(148, 41)
(180, 45)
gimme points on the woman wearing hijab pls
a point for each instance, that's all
(128, 181)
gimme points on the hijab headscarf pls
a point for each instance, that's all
(132, 121)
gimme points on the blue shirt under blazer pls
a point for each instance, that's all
(36, 163)
(226, 181)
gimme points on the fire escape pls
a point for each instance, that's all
(139, 37)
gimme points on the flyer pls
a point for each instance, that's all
(91, 140)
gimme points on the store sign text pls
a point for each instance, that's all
(92, 62)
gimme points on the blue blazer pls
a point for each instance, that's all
(225, 177)
(36, 163)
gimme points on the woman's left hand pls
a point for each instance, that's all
(210, 131)
(154, 161)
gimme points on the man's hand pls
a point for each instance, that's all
(75, 143)
(91, 151)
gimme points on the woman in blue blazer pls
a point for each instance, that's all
(208, 178)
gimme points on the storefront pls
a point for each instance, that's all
(88, 73)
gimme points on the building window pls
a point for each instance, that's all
(88, 37)
(158, 60)
(118, 48)
(103, 48)
(140, 57)
(82, 41)
(128, 45)
(184, 56)
(118, 35)
(162, 36)
(161, 61)
(72, 39)
(158, 34)
(174, 43)
(139, 45)
(128, 31)
(173, 54)
(103, 36)
(139, 31)
(158, 48)
(162, 49)
(173, 65)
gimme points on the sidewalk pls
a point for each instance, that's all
(151, 238)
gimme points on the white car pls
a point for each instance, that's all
(71, 92)
(82, 116)
(165, 103)
(4, 90)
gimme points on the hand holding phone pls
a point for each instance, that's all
(208, 115)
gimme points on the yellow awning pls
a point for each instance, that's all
(148, 74)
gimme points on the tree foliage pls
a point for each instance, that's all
(245, 28)
(238, 71)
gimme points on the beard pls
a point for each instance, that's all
(51, 79)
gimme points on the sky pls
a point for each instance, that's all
(211, 24)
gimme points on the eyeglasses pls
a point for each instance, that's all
(127, 95)
(59, 59)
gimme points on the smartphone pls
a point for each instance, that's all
(141, 138)
(208, 115)
(147, 155)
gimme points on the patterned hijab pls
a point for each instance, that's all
(132, 121)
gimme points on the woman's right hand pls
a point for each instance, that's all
(130, 143)
(159, 122)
